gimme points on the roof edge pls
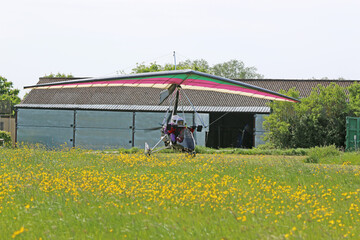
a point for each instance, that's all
(143, 108)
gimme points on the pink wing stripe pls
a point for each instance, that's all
(187, 82)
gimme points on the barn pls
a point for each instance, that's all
(124, 117)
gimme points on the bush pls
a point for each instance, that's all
(134, 150)
(318, 120)
(266, 146)
(317, 153)
(205, 150)
(7, 138)
(131, 150)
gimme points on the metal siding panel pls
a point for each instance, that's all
(200, 137)
(151, 137)
(258, 138)
(188, 117)
(259, 130)
(103, 129)
(45, 118)
(48, 136)
(97, 138)
(147, 120)
(103, 119)
(352, 133)
(144, 122)
(259, 120)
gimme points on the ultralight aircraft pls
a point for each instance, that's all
(175, 133)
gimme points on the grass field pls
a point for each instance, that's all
(77, 194)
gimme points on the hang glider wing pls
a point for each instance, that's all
(187, 79)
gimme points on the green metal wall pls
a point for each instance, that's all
(93, 129)
(259, 131)
(352, 133)
(46, 127)
(103, 129)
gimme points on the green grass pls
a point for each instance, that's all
(332, 155)
(345, 158)
(253, 151)
(79, 194)
(206, 150)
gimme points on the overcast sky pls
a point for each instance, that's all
(281, 38)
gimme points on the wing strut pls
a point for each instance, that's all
(176, 101)
(197, 114)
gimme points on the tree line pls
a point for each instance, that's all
(8, 92)
(233, 69)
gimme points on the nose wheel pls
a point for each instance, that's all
(147, 150)
(191, 154)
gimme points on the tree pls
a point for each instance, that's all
(354, 99)
(281, 122)
(322, 116)
(142, 68)
(319, 119)
(197, 65)
(235, 69)
(7, 92)
(58, 75)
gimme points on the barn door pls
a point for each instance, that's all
(101, 129)
(147, 128)
(51, 128)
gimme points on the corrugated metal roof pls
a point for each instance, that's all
(151, 108)
(304, 86)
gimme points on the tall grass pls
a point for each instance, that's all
(78, 194)
(206, 150)
(317, 153)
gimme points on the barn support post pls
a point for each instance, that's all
(193, 124)
(133, 130)
(254, 130)
(16, 126)
(74, 129)
(219, 136)
(9, 120)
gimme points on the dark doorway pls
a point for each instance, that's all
(233, 130)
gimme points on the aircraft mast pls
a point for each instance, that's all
(174, 59)
(176, 101)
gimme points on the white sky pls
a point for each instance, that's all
(282, 38)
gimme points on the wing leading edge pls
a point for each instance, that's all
(187, 79)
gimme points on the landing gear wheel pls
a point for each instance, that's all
(147, 151)
(191, 154)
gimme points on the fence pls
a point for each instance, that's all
(352, 133)
(7, 120)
